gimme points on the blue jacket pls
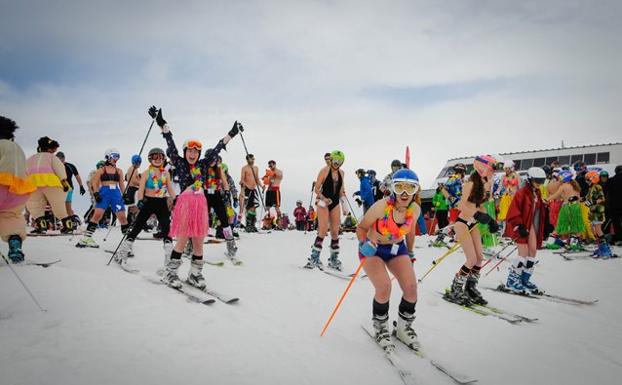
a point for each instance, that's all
(365, 191)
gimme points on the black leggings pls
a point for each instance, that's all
(214, 201)
(441, 217)
(157, 206)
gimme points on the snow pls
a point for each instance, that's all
(106, 326)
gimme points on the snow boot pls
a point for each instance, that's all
(404, 332)
(381, 332)
(170, 275)
(314, 259)
(457, 294)
(195, 277)
(16, 255)
(333, 261)
(514, 282)
(471, 289)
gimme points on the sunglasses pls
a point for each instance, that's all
(403, 187)
(337, 163)
(156, 157)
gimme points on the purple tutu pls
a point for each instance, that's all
(190, 216)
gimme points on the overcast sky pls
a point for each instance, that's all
(447, 78)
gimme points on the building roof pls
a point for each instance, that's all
(546, 149)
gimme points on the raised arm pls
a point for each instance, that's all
(211, 155)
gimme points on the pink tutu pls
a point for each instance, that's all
(190, 215)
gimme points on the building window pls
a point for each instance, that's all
(603, 157)
(576, 158)
(526, 163)
(517, 164)
(538, 162)
(589, 158)
(564, 160)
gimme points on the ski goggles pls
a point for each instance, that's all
(336, 162)
(404, 187)
(114, 155)
(193, 144)
(157, 156)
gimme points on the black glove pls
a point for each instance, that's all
(159, 119)
(97, 197)
(522, 231)
(548, 229)
(153, 111)
(82, 190)
(482, 218)
(126, 199)
(493, 227)
(358, 201)
(65, 185)
(234, 130)
(140, 204)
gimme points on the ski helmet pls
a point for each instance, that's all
(337, 157)
(100, 164)
(593, 177)
(396, 163)
(536, 174)
(565, 176)
(371, 173)
(112, 153)
(459, 167)
(156, 151)
(604, 174)
(193, 143)
(403, 178)
(484, 164)
(136, 159)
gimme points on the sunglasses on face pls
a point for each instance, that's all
(402, 187)
(157, 157)
(337, 163)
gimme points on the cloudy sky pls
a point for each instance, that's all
(447, 78)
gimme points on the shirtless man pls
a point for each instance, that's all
(273, 195)
(248, 193)
(132, 177)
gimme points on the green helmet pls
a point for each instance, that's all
(100, 164)
(604, 173)
(224, 167)
(337, 157)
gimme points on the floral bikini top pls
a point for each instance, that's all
(156, 181)
(197, 176)
(386, 225)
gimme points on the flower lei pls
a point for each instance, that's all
(158, 180)
(195, 173)
(403, 229)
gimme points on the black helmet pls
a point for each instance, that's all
(371, 172)
(459, 167)
(156, 150)
(547, 170)
(396, 163)
(360, 172)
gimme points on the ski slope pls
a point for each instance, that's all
(106, 326)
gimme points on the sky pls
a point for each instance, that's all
(447, 78)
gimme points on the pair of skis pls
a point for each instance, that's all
(206, 296)
(29, 262)
(405, 374)
(488, 310)
(545, 296)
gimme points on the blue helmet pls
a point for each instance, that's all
(566, 176)
(136, 159)
(405, 175)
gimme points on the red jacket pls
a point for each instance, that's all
(521, 212)
(300, 214)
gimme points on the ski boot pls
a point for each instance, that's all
(528, 285)
(41, 226)
(333, 260)
(195, 278)
(124, 250)
(603, 251)
(515, 283)
(170, 275)
(439, 241)
(87, 241)
(314, 259)
(168, 249)
(471, 290)
(381, 333)
(457, 294)
(16, 255)
(574, 245)
(404, 332)
(231, 248)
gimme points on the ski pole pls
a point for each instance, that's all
(124, 192)
(496, 255)
(440, 259)
(23, 284)
(252, 169)
(356, 273)
(351, 209)
(501, 261)
(310, 200)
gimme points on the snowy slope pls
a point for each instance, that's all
(106, 326)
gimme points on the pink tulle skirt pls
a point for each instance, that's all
(190, 216)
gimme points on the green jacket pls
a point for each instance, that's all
(440, 202)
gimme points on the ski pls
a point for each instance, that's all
(194, 298)
(391, 356)
(220, 296)
(501, 311)
(29, 262)
(459, 378)
(550, 297)
(484, 311)
(337, 273)
(207, 261)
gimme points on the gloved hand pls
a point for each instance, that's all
(140, 204)
(153, 112)
(97, 197)
(126, 199)
(367, 248)
(82, 190)
(358, 201)
(482, 218)
(493, 226)
(234, 130)
(548, 229)
(159, 119)
(522, 231)
(65, 185)
(236, 203)
(227, 196)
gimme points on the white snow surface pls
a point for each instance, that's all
(106, 326)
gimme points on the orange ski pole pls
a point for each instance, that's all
(356, 273)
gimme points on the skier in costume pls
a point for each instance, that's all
(528, 224)
(570, 221)
(330, 193)
(386, 237)
(452, 190)
(231, 199)
(554, 204)
(385, 186)
(132, 178)
(190, 218)
(154, 188)
(215, 187)
(440, 207)
(48, 174)
(595, 200)
(463, 288)
(15, 189)
(249, 200)
(107, 186)
(510, 184)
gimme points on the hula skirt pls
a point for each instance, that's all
(504, 206)
(190, 215)
(554, 208)
(570, 220)
(488, 239)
